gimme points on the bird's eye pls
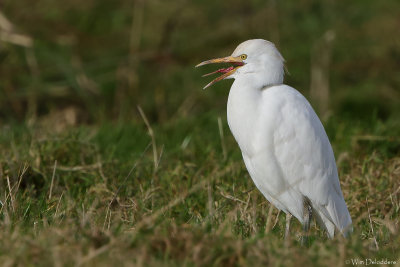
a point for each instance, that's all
(243, 57)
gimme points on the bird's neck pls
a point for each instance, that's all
(243, 102)
(269, 76)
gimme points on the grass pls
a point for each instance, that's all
(110, 203)
(87, 179)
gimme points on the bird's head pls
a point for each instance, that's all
(256, 57)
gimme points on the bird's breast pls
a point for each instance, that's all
(243, 113)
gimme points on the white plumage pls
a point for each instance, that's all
(284, 145)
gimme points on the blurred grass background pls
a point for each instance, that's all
(73, 74)
(105, 57)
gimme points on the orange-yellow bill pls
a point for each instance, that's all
(236, 61)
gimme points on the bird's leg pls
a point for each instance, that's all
(307, 222)
(287, 230)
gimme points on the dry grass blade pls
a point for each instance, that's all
(269, 219)
(5, 24)
(151, 133)
(93, 253)
(8, 35)
(108, 212)
(372, 227)
(221, 136)
(227, 196)
(10, 193)
(151, 218)
(52, 178)
(79, 168)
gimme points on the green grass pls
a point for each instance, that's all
(83, 183)
(110, 204)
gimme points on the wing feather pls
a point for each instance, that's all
(306, 160)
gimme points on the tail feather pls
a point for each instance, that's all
(324, 222)
(334, 215)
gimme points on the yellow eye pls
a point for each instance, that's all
(243, 57)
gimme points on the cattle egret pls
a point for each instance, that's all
(284, 145)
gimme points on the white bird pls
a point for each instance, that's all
(284, 145)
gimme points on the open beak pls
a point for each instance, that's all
(236, 61)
